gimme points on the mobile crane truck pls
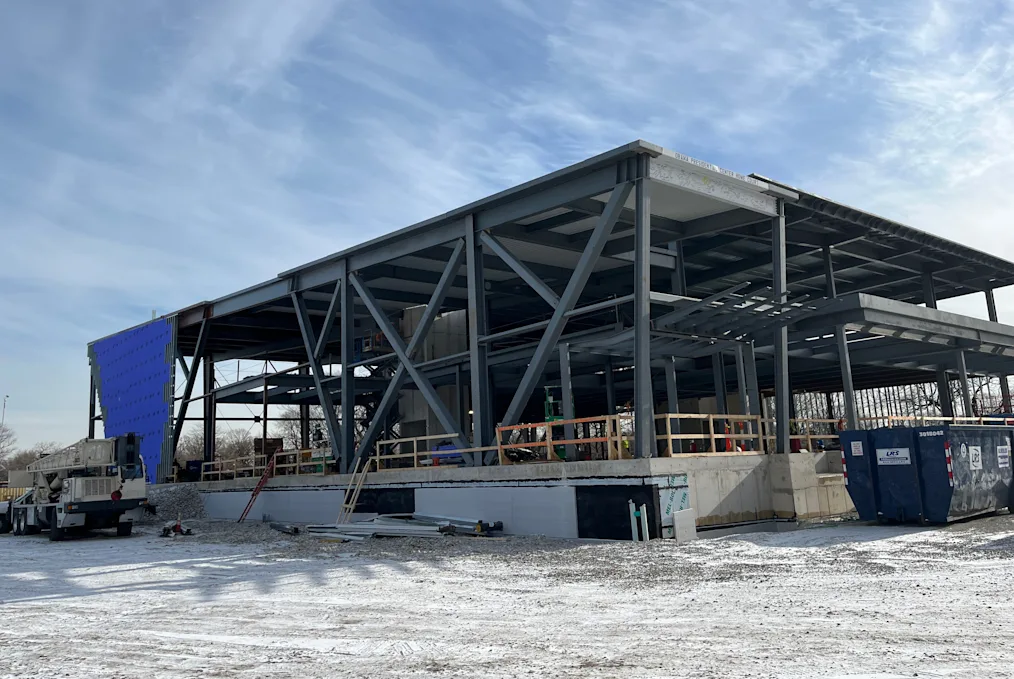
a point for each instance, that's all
(93, 484)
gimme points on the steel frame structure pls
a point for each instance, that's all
(634, 264)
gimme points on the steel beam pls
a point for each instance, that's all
(679, 314)
(202, 343)
(590, 184)
(334, 430)
(644, 406)
(398, 344)
(348, 391)
(966, 394)
(783, 392)
(1004, 385)
(478, 329)
(519, 267)
(390, 396)
(567, 398)
(568, 299)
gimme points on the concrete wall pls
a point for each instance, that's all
(549, 510)
(725, 490)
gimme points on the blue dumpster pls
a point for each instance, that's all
(964, 470)
(860, 472)
(899, 491)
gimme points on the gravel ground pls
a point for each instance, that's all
(243, 600)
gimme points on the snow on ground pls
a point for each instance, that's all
(245, 601)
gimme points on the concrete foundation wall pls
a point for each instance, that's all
(724, 490)
(549, 510)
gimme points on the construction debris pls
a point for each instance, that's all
(285, 528)
(180, 500)
(406, 525)
(174, 529)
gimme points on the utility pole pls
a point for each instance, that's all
(3, 417)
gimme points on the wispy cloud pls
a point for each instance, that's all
(158, 154)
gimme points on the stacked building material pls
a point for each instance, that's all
(406, 525)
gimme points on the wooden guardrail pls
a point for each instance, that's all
(393, 454)
(606, 437)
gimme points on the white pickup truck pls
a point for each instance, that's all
(93, 484)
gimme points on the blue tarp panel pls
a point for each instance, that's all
(134, 376)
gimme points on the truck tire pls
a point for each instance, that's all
(56, 533)
(5, 523)
(123, 530)
(19, 525)
(30, 529)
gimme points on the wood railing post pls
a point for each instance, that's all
(668, 434)
(711, 433)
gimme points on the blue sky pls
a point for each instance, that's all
(156, 154)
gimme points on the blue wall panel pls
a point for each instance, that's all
(134, 377)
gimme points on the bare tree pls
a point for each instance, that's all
(229, 445)
(16, 460)
(8, 441)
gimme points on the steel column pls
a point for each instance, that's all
(422, 383)
(91, 406)
(188, 390)
(610, 387)
(744, 394)
(334, 431)
(672, 402)
(644, 406)
(721, 384)
(478, 327)
(210, 409)
(783, 393)
(751, 379)
(678, 278)
(1004, 386)
(831, 289)
(304, 418)
(929, 294)
(721, 395)
(582, 272)
(966, 394)
(841, 340)
(348, 391)
(459, 397)
(567, 397)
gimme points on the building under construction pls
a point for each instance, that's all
(643, 324)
